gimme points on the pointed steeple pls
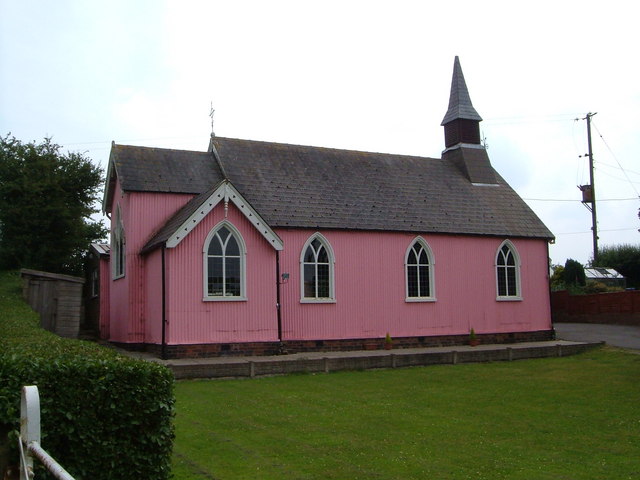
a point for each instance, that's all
(461, 122)
(462, 133)
(460, 105)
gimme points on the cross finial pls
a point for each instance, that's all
(211, 112)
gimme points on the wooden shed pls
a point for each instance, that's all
(57, 298)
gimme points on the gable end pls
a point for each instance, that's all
(224, 193)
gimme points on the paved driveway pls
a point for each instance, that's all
(616, 335)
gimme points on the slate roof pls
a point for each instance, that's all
(322, 188)
(312, 187)
(460, 106)
(146, 169)
(166, 230)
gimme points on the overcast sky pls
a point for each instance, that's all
(363, 75)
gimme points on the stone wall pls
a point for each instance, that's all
(242, 367)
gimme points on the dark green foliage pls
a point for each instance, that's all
(557, 278)
(573, 274)
(103, 416)
(597, 287)
(624, 258)
(46, 201)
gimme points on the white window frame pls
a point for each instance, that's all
(118, 248)
(205, 265)
(431, 259)
(517, 296)
(327, 246)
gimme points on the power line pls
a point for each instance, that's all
(616, 159)
(601, 163)
(590, 232)
(518, 120)
(603, 172)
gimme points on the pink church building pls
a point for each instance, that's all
(255, 248)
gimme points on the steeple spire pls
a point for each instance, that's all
(460, 105)
(462, 134)
(461, 122)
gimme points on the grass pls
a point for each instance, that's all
(562, 418)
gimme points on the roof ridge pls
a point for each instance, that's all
(157, 148)
(333, 149)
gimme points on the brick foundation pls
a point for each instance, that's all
(297, 346)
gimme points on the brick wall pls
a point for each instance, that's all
(298, 346)
(621, 308)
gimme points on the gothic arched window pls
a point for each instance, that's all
(508, 272)
(316, 270)
(224, 264)
(419, 271)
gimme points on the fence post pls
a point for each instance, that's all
(29, 427)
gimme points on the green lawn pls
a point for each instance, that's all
(561, 418)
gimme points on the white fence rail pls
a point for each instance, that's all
(29, 441)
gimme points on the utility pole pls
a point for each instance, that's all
(589, 191)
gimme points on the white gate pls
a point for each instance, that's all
(29, 441)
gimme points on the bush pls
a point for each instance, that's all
(103, 416)
(557, 278)
(624, 258)
(595, 287)
(573, 274)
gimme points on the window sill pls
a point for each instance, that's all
(224, 299)
(118, 277)
(420, 299)
(509, 299)
(317, 300)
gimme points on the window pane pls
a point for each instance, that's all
(309, 256)
(309, 281)
(422, 257)
(232, 247)
(232, 281)
(120, 256)
(502, 282)
(501, 257)
(223, 233)
(214, 276)
(511, 282)
(510, 259)
(323, 281)
(215, 248)
(411, 259)
(412, 281)
(323, 257)
(424, 281)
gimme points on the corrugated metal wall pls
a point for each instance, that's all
(142, 215)
(192, 320)
(369, 285)
(153, 297)
(370, 288)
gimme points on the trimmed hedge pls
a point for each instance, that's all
(103, 416)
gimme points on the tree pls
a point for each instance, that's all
(624, 258)
(573, 274)
(557, 278)
(46, 202)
